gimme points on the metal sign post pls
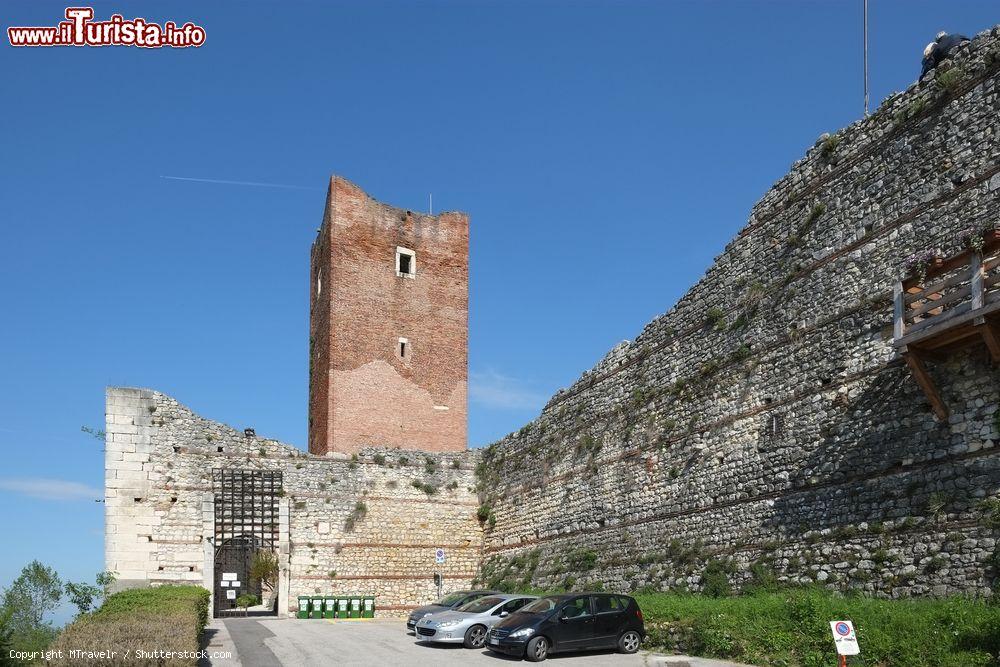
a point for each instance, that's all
(845, 639)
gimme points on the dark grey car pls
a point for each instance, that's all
(448, 602)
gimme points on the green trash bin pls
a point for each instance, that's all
(355, 606)
(343, 607)
(303, 607)
(368, 610)
(329, 607)
(316, 609)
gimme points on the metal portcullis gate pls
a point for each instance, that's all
(246, 521)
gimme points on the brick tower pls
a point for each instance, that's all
(388, 326)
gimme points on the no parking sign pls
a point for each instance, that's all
(844, 637)
(439, 556)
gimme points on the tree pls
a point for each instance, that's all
(35, 592)
(82, 595)
(106, 580)
(6, 638)
(264, 569)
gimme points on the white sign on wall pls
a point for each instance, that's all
(236, 584)
(229, 576)
(224, 583)
(230, 594)
(844, 637)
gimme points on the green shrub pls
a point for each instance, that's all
(715, 579)
(714, 317)
(814, 214)
(990, 509)
(829, 146)
(426, 487)
(915, 108)
(741, 353)
(379, 459)
(168, 618)
(581, 559)
(763, 578)
(247, 600)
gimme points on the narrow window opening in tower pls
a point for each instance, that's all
(406, 262)
(403, 345)
(319, 282)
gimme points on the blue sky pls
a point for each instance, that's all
(606, 152)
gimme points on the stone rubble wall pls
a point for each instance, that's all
(763, 427)
(159, 508)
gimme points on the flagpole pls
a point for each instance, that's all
(866, 56)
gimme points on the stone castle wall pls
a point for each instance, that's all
(160, 512)
(763, 427)
(363, 391)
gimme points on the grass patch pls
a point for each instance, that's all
(951, 81)
(791, 627)
(167, 618)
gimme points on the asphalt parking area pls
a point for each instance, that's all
(293, 642)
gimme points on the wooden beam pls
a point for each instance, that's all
(898, 323)
(976, 282)
(923, 379)
(990, 337)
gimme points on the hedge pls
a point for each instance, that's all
(792, 628)
(165, 618)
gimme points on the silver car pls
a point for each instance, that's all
(469, 623)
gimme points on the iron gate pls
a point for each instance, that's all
(246, 521)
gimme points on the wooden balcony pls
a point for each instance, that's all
(955, 305)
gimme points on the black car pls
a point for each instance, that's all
(448, 602)
(571, 622)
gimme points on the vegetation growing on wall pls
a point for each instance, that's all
(357, 514)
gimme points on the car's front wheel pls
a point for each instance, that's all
(629, 641)
(475, 637)
(537, 650)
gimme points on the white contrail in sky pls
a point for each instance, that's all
(51, 489)
(249, 183)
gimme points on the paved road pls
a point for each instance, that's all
(295, 643)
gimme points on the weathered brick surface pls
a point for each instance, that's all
(362, 393)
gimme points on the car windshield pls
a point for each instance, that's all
(480, 605)
(540, 606)
(450, 599)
